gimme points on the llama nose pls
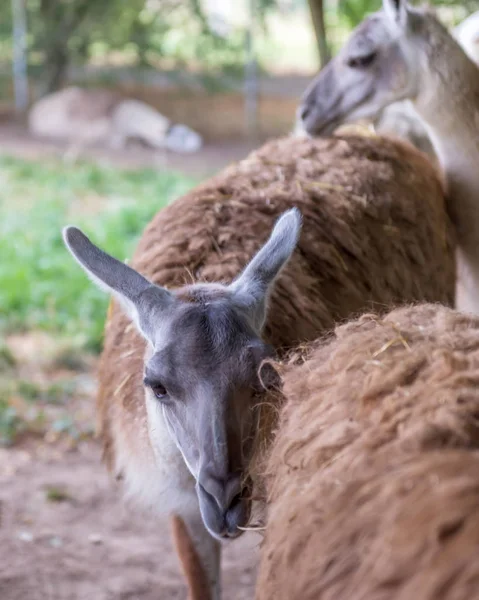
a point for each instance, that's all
(224, 505)
(225, 491)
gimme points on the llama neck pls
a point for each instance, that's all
(452, 119)
(459, 159)
(462, 179)
(458, 154)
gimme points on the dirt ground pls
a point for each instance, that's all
(15, 141)
(65, 531)
(67, 535)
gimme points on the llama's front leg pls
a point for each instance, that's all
(208, 551)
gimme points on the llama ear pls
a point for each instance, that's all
(142, 300)
(269, 377)
(396, 12)
(251, 289)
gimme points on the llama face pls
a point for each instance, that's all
(202, 379)
(201, 369)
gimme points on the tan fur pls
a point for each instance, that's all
(373, 475)
(400, 118)
(195, 576)
(415, 57)
(375, 233)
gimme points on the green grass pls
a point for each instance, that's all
(40, 285)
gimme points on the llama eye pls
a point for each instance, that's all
(356, 62)
(159, 391)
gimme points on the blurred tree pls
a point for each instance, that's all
(62, 32)
(353, 11)
(158, 32)
(316, 8)
(57, 21)
(20, 68)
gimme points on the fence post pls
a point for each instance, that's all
(251, 76)
(20, 77)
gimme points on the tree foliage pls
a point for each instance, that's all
(317, 9)
(158, 32)
(64, 32)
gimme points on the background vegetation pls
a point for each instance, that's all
(40, 285)
(51, 317)
(179, 34)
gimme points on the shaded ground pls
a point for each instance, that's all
(15, 141)
(66, 535)
(65, 532)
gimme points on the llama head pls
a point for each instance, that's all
(395, 54)
(203, 371)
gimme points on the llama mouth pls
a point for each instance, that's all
(225, 524)
(327, 126)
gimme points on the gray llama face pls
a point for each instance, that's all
(201, 371)
(380, 64)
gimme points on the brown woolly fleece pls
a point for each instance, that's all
(375, 234)
(373, 476)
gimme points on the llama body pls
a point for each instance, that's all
(366, 203)
(84, 117)
(374, 466)
(399, 53)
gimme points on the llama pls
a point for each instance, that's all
(404, 52)
(372, 476)
(179, 398)
(400, 118)
(83, 117)
(193, 572)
